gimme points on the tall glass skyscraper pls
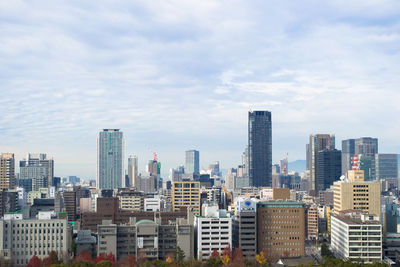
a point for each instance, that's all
(192, 162)
(260, 148)
(110, 159)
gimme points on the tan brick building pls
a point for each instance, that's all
(7, 171)
(281, 228)
(357, 195)
(186, 194)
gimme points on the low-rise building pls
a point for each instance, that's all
(20, 239)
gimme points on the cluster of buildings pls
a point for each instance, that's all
(346, 199)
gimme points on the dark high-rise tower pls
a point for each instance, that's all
(329, 167)
(260, 148)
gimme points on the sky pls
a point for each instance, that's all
(180, 75)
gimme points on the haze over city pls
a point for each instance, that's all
(182, 75)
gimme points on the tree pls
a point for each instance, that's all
(238, 255)
(215, 254)
(260, 258)
(83, 256)
(130, 261)
(34, 262)
(179, 254)
(51, 259)
(104, 263)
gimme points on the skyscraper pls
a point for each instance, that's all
(260, 148)
(329, 168)
(39, 168)
(348, 151)
(110, 159)
(7, 171)
(318, 143)
(192, 162)
(367, 147)
(133, 171)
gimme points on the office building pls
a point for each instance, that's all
(213, 231)
(7, 171)
(186, 194)
(367, 147)
(152, 204)
(281, 228)
(329, 166)
(133, 171)
(39, 168)
(318, 143)
(23, 238)
(386, 166)
(8, 202)
(151, 238)
(260, 148)
(357, 195)
(244, 234)
(192, 162)
(312, 222)
(110, 159)
(348, 151)
(70, 204)
(356, 237)
(25, 183)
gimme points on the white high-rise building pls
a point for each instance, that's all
(110, 159)
(214, 231)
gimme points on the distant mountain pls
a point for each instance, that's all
(398, 161)
(298, 166)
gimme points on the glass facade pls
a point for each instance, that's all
(110, 159)
(260, 148)
(192, 162)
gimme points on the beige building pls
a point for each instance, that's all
(357, 195)
(355, 175)
(186, 194)
(131, 200)
(281, 228)
(20, 239)
(7, 171)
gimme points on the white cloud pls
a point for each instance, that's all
(182, 74)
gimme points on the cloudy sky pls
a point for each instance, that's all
(178, 75)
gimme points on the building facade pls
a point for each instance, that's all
(110, 159)
(244, 234)
(192, 162)
(357, 237)
(317, 143)
(329, 166)
(357, 195)
(260, 148)
(213, 231)
(39, 168)
(7, 171)
(20, 239)
(133, 171)
(281, 228)
(186, 194)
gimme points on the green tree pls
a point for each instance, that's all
(179, 255)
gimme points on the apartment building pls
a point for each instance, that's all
(131, 200)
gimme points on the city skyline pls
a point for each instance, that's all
(174, 77)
